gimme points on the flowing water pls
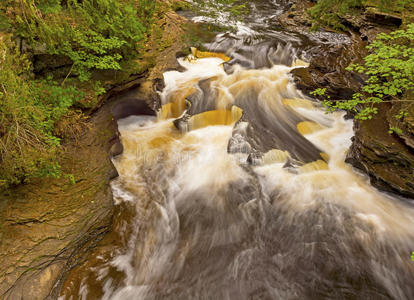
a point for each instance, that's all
(238, 190)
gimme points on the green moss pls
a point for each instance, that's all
(331, 12)
(180, 5)
(28, 112)
(396, 6)
(103, 41)
(94, 34)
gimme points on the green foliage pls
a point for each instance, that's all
(390, 5)
(319, 92)
(99, 89)
(34, 114)
(4, 23)
(94, 34)
(28, 112)
(49, 6)
(330, 12)
(402, 114)
(390, 72)
(71, 178)
(412, 256)
(395, 130)
(390, 67)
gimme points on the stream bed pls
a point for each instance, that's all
(238, 188)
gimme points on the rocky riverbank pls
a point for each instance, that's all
(387, 158)
(48, 225)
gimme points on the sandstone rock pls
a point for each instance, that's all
(131, 107)
(327, 70)
(44, 223)
(387, 159)
(39, 284)
(376, 16)
(116, 149)
(48, 226)
(405, 122)
(384, 157)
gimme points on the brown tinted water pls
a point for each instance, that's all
(238, 190)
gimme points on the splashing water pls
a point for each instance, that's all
(239, 190)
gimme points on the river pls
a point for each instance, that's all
(238, 188)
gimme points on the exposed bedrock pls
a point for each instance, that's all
(387, 158)
(49, 225)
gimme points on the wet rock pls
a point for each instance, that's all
(113, 174)
(159, 84)
(182, 123)
(45, 64)
(39, 284)
(384, 157)
(376, 16)
(46, 222)
(327, 69)
(329, 53)
(132, 107)
(116, 149)
(49, 225)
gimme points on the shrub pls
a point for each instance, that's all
(331, 12)
(94, 34)
(390, 71)
(34, 114)
(28, 112)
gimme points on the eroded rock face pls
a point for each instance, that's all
(404, 122)
(46, 224)
(327, 69)
(330, 56)
(49, 225)
(386, 158)
(39, 284)
(131, 106)
(329, 60)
